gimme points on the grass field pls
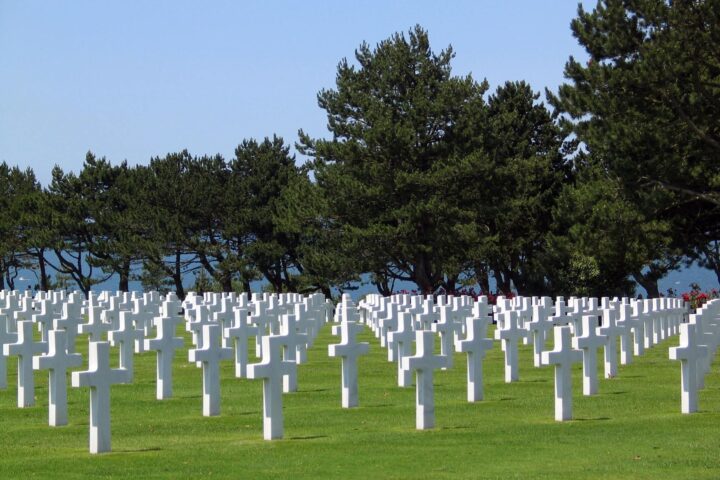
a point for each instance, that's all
(632, 429)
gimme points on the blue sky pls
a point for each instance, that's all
(132, 80)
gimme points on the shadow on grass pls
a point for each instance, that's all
(308, 437)
(591, 419)
(137, 450)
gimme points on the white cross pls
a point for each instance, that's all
(611, 331)
(688, 352)
(424, 362)
(447, 328)
(225, 316)
(706, 333)
(95, 327)
(237, 336)
(562, 356)
(124, 338)
(201, 315)
(349, 349)
(272, 369)
(624, 323)
(402, 339)
(637, 326)
(165, 344)
(288, 329)
(142, 319)
(110, 313)
(475, 345)
(589, 342)
(209, 354)
(57, 361)
(12, 304)
(538, 327)
(510, 334)
(262, 320)
(25, 347)
(26, 310)
(6, 337)
(305, 325)
(424, 319)
(44, 318)
(481, 308)
(99, 376)
(647, 319)
(70, 320)
(387, 324)
(562, 312)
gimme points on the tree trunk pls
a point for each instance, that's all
(2, 275)
(451, 285)
(481, 274)
(649, 283)
(44, 284)
(177, 277)
(226, 282)
(124, 276)
(421, 277)
(502, 280)
(381, 283)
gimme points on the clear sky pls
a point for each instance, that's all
(134, 79)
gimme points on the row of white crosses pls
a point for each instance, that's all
(699, 339)
(402, 320)
(128, 321)
(284, 327)
(580, 326)
(577, 337)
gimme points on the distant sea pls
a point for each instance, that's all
(679, 281)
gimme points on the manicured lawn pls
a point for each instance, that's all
(632, 429)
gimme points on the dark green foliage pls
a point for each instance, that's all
(19, 201)
(519, 180)
(647, 107)
(401, 127)
(260, 173)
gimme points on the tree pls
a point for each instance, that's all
(259, 174)
(110, 195)
(647, 105)
(521, 175)
(603, 240)
(206, 185)
(402, 128)
(326, 255)
(166, 220)
(18, 194)
(74, 228)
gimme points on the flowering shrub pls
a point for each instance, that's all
(696, 297)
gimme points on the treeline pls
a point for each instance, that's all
(425, 177)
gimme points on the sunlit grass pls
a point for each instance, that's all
(632, 429)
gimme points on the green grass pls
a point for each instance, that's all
(632, 429)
